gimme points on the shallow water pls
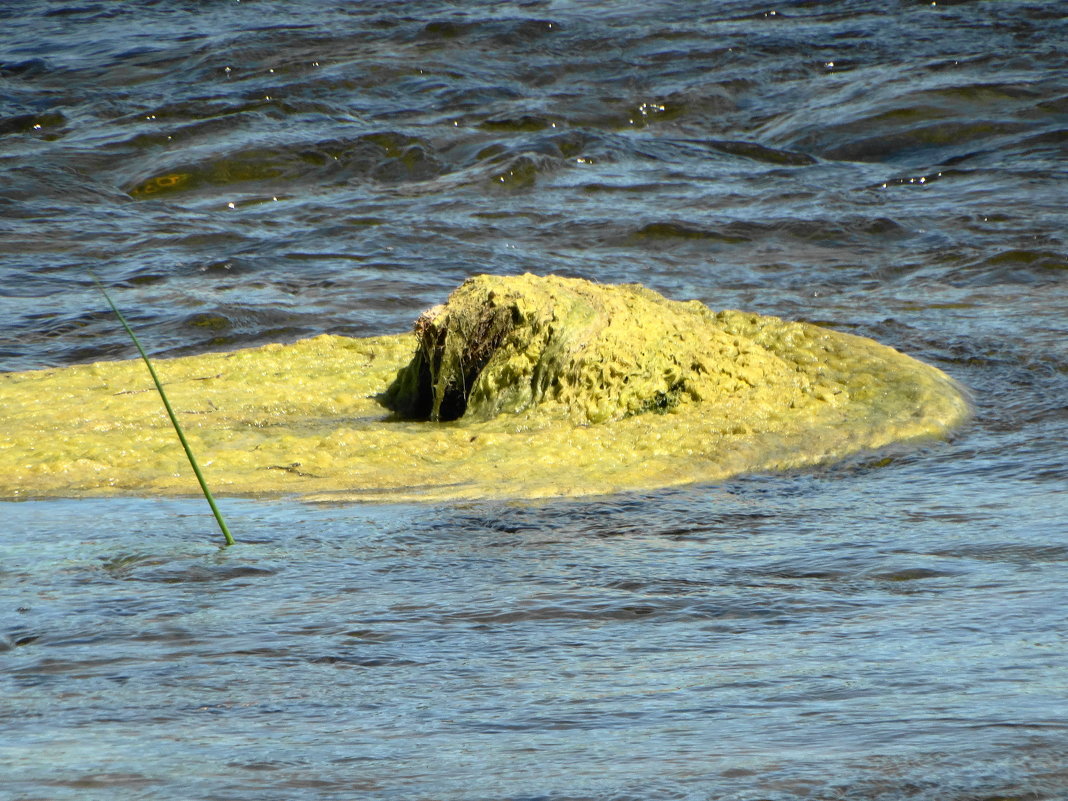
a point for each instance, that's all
(247, 172)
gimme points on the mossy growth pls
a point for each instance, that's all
(584, 351)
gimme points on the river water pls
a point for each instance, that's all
(243, 172)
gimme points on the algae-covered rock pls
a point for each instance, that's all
(595, 353)
(519, 387)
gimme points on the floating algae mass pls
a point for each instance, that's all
(518, 387)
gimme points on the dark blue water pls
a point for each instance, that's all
(245, 172)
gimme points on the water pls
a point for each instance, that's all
(891, 628)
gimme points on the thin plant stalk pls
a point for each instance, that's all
(170, 413)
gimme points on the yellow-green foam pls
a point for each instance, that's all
(657, 393)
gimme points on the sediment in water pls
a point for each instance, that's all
(518, 387)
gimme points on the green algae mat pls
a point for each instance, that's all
(517, 387)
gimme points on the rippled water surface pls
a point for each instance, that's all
(245, 172)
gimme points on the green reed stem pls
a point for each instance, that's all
(170, 413)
